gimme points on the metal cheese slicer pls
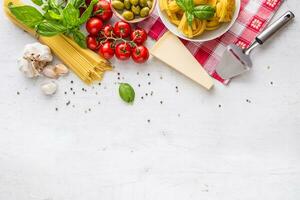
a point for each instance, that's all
(236, 61)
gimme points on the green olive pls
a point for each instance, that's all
(127, 4)
(128, 15)
(117, 4)
(143, 3)
(136, 9)
(134, 2)
(145, 12)
(149, 4)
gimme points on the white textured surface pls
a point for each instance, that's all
(191, 149)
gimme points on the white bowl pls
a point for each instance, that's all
(207, 35)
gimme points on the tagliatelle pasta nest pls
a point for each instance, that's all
(223, 12)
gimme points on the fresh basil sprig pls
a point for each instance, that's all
(202, 12)
(58, 18)
(126, 92)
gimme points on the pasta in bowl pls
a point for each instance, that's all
(198, 20)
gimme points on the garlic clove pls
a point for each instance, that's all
(61, 69)
(49, 88)
(49, 71)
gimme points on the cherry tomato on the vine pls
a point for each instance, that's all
(108, 30)
(123, 51)
(140, 54)
(102, 10)
(107, 50)
(139, 36)
(122, 29)
(94, 25)
(92, 42)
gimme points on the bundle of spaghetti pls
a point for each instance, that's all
(86, 64)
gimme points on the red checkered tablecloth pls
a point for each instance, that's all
(254, 16)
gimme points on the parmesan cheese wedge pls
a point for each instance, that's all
(170, 50)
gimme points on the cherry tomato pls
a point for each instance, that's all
(140, 54)
(122, 29)
(94, 25)
(123, 51)
(107, 50)
(139, 36)
(108, 30)
(92, 42)
(102, 10)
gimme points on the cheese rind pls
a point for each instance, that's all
(170, 50)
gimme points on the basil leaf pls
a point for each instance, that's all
(37, 2)
(28, 15)
(189, 17)
(87, 13)
(189, 5)
(77, 3)
(79, 38)
(204, 12)
(52, 4)
(50, 28)
(126, 92)
(181, 4)
(52, 15)
(70, 15)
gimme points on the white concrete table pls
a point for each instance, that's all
(235, 142)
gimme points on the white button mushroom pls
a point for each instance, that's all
(49, 88)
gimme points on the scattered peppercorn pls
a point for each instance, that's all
(82, 89)
(148, 120)
(56, 109)
(118, 73)
(149, 83)
(148, 74)
(68, 103)
(73, 92)
(271, 82)
(18, 93)
(142, 97)
(146, 94)
(72, 82)
(151, 93)
(71, 89)
(65, 92)
(248, 101)
(99, 83)
(89, 109)
(139, 85)
(220, 106)
(161, 102)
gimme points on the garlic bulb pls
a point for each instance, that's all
(61, 69)
(49, 88)
(27, 68)
(50, 72)
(35, 57)
(38, 52)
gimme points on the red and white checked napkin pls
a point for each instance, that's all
(254, 16)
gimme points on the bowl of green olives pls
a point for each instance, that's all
(132, 11)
